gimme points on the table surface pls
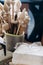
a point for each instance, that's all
(28, 54)
(2, 57)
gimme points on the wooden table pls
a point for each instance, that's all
(4, 60)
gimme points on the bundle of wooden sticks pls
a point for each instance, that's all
(12, 19)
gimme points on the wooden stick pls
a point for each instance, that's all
(18, 29)
(12, 2)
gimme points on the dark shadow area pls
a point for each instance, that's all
(38, 16)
